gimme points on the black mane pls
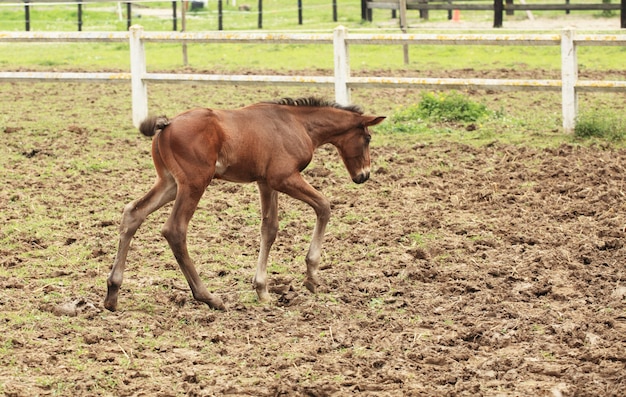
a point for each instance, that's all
(316, 102)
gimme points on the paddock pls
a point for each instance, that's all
(456, 269)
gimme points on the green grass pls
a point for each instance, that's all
(457, 116)
(228, 57)
(602, 124)
(445, 107)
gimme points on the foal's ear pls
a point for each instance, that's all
(369, 121)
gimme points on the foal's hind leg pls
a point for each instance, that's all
(163, 191)
(175, 231)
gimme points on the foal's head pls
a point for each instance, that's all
(346, 128)
(353, 146)
(353, 140)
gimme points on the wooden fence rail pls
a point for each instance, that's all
(569, 84)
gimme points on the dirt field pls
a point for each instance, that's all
(456, 270)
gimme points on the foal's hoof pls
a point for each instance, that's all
(217, 304)
(261, 290)
(263, 296)
(311, 284)
(110, 303)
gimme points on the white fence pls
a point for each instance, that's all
(569, 84)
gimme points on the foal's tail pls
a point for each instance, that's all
(153, 125)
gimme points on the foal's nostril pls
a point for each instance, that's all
(362, 177)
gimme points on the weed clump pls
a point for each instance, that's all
(443, 107)
(450, 107)
(600, 124)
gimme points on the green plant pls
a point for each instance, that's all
(449, 106)
(603, 124)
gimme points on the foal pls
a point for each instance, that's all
(269, 143)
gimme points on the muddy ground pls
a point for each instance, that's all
(456, 270)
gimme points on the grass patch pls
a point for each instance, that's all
(447, 107)
(603, 124)
(459, 117)
(445, 111)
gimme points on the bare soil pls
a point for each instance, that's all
(456, 270)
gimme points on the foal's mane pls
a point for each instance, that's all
(316, 102)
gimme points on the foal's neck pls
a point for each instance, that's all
(324, 125)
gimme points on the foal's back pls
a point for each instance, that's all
(252, 143)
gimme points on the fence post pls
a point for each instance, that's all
(342, 66)
(569, 76)
(27, 14)
(129, 15)
(139, 90)
(403, 27)
(498, 8)
(220, 17)
(80, 16)
(174, 17)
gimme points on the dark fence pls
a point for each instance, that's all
(79, 4)
(498, 7)
(128, 5)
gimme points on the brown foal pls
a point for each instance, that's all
(269, 143)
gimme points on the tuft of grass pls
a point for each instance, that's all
(449, 106)
(604, 124)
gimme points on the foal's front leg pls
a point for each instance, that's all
(314, 256)
(269, 228)
(298, 188)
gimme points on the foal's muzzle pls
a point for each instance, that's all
(361, 177)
